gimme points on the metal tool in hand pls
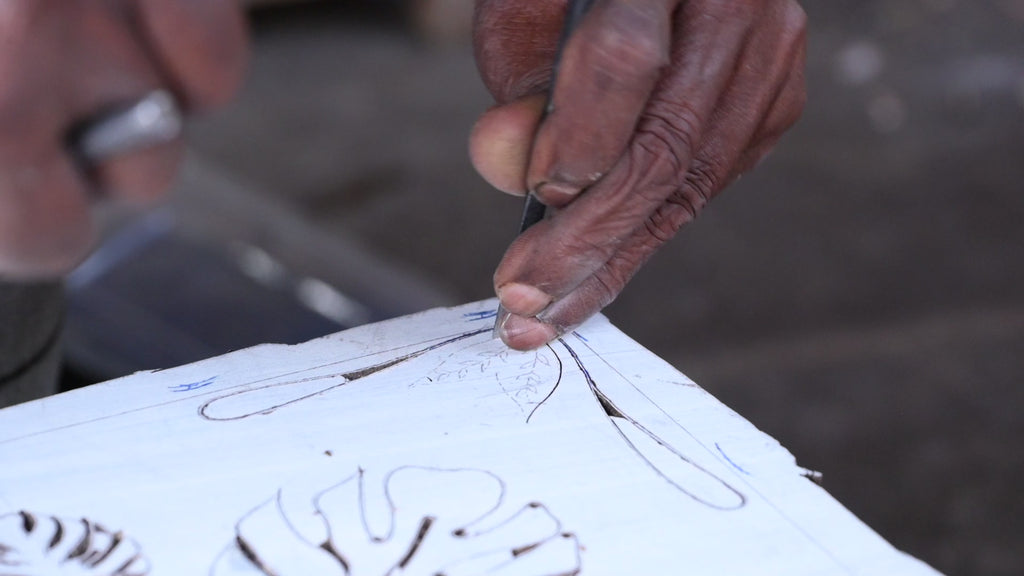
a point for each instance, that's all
(534, 210)
(150, 121)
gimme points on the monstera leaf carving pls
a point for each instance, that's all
(424, 521)
(37, 545)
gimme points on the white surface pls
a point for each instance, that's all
(332, 449)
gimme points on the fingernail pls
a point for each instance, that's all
(526, 333)
(499, 323)
(523, 299)
(557, 194)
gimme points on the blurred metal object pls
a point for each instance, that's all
(152, 120)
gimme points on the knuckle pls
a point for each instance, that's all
(608, 284)
(620, 51)
(669, 133)
(794, 19)
(683, 204)
(741, 11)
(659, 228)
(629, 45)
(789, 26)
(677, 125)
(663, 224)
(699, 185)
(594, 247)
(613, 277)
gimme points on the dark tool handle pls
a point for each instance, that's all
(534, 209)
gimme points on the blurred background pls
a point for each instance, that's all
(860, 296)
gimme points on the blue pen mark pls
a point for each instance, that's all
(729, 460)
(580, 336)
(474, 316)
(193, 385)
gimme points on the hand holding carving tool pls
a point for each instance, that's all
(533, 209)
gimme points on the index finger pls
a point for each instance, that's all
(201, 46)
(607, 71)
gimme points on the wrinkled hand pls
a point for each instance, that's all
(658, 105)
(64, 61)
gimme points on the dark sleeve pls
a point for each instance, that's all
(30, 327)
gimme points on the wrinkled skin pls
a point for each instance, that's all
(61, 62)
(658, 106)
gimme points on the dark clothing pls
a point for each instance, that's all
(30, 326)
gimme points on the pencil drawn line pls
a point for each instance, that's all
(482, 315)
(328, 545)
(553, 388)
(750, 486)
(425, 523)
(729, 460)
(487, 557)
(287, 521)
(247, 550)
(525, 549)
(79, 541)
(349, 360)
(618, 418)
(193, 397)
(462, 530)
(193, 385)
(58, 533)
(363, 515)
(347, 377)
(645, 396)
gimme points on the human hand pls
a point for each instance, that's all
(658, 106)
(63, 62)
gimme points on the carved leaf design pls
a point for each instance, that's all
(419, 521)
(38, 545)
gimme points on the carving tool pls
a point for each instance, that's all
(533, 209)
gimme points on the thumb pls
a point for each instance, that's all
(502, 140)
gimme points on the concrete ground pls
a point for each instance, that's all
(860, 296)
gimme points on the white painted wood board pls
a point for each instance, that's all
(416, 446)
